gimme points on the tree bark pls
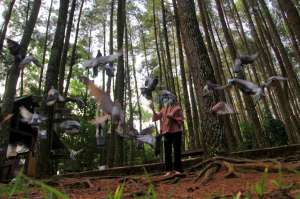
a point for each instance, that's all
(44, 160)
(166, 38)
(45, 48)
(275, 35)
(292, 15)
(66, 48)
(187, 107)
(248, 101)
(201, 70)
(73, 55)
(119, 89)
(284, 107)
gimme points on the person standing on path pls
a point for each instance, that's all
(171, 126)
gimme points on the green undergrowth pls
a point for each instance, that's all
(259, 189)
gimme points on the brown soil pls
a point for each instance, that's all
(177, 187)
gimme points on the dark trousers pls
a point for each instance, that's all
(173, 140)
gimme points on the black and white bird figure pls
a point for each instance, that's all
(250, 88)
(28, 59)
(54, 96)
(150, 85)
(14, 149)
(101, 60)
(70, 126)
(74, 154)
(14, 49)
(243, 60)
(33, 119)
(211, 87)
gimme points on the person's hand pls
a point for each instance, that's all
(151, 106)
(170, 116)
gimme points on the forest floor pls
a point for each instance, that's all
(252, 183)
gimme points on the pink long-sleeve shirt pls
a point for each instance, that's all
(171, 119)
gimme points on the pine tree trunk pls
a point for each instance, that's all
(223, 79)
(294, 43)
(73, 55)
(292, 15)
(120, 76)
(6, 21)
(111, 39)
(275, 35)
(195, 112)
(201, 70)
(44, 160)
(14, 72)
(168, 54)
(156, 42)
(22, 71)
(248, 101)
(45, 48)
(135, 82)
(66, 48)
(231, 139)
(187, 107)
(284, 107)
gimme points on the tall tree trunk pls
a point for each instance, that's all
(14, 72)
(201, 70)
(145, 50)
(45, 48)
(288, 66)
(292, 16)
(66, 48)
(119, 92)
(111, 40)
(135, 82)
(195, 112)
(187, 107)
(248, 101)
(216, 54)
(294, 43)
(284, 107)
(156, 41)
(73, 55)
(22, 71)
(166, 38)
(44, 160)
(232, 140)
(6, 22)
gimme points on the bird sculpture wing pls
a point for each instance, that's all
(271, 80)
(222, 108)
(101, 60)
(148, 139)
(102, 98)
(26, 115)
(243, 60)
(147, 130)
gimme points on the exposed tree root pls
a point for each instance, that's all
(235, 167)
